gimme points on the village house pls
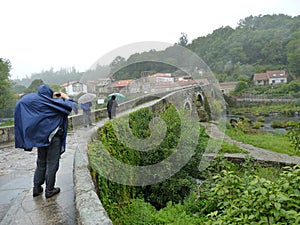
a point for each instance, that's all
(118, 86)
(270, 77)
(97, 86)
(102, 83)
(150, 84)
(74, 88)
(161, 82)
(227, 87)
(91, 86)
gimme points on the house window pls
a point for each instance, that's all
(282, 81)
(77, 88)
(273, 81)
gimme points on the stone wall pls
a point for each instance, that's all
(7, 134)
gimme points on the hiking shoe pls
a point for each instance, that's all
(37, 191)
(53, 192)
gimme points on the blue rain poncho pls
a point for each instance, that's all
(37, 116)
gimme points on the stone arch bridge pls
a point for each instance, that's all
(87, 205)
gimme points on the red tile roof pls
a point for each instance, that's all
(270, 74)
(69, 83)
(161, 75)
(120, 83)
(276, 73)
(260, 76)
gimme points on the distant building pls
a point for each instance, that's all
(161, 77)
(226, 87)
(74, 88)
(270, 77)
(161, 82)
(118, 86)
(102, 83)
(97, 86)
(91, 86)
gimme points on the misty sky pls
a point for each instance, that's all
(39, 34)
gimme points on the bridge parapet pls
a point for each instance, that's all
(181, 98)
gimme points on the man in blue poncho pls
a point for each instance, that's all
(41, 120)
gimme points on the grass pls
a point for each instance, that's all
(285, 109)
(229, 148)
(275, 142)
(7, 123)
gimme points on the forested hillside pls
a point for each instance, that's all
(257, 44)
(65, 75)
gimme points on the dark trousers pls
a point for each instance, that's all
(87, 117)
(109, 115)
(47, 164)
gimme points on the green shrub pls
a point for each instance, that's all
(257, 125)
(176, 214)
(293, 133)
(261, 119)
(255, 200)
(137, 212)
(278, 124)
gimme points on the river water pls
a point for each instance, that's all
(269, 120)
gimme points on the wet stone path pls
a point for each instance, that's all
(17, 206)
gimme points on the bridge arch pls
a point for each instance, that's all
(199, 99)
(187, 104)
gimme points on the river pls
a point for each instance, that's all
(268, 120)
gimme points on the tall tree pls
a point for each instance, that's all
(293, 53)
(183, 40)
(6, 96)
(33, 87)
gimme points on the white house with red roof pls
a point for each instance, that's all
(270, 77)
(74, 88)
(161, 77)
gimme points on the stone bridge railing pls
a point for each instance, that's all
(7, 132)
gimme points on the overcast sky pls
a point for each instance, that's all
(39, 34)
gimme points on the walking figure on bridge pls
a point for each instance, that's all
(112, 107)
(87, 115)
(41, 120)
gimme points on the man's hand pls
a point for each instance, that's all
(60, 95)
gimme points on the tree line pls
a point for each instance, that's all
(259, 43)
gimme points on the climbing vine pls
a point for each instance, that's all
(293, 132)
(173, 189)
